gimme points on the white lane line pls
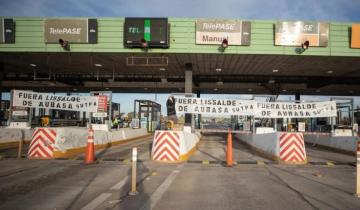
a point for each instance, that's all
(120, 184)
(102, 197)
(97, 201)
(156, 196)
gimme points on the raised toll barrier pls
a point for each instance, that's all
(63, 142)
(284, 147)
(174, 146)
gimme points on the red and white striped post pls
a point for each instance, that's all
(358, 169)
(89, 155)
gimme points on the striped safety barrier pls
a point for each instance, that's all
(166, 146)
(292, 147)
(42, 143)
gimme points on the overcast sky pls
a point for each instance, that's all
(326, 10)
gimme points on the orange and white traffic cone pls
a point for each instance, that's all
(89, 155)
(229, 153)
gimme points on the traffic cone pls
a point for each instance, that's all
(89, 155)
(229, 153)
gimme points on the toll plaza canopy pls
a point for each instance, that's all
(153, 54)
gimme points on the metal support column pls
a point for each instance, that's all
(297, 100)
(199, 116)
(1, 87)
(188, 89)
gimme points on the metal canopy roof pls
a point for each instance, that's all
(164, 72)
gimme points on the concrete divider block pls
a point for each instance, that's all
(10, 137)
(174, 146)
(344, 144)
(70, 141)
(281, 147)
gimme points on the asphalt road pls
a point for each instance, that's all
(196, 184)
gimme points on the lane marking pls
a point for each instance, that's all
(104, 196)
(259, 162)
(126, 179)
(97, 201)
(329, 163)
(120, 184)
(205, 162)
(159, 192)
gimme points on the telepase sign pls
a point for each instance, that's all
(253, 108)
(49, 101)
(215, 31)
(72, 30)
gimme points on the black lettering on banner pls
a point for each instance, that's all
(27, 103)
(196, 109)
(182, 108)
(265, 113)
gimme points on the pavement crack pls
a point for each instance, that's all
(300, 194)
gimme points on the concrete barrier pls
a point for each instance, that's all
(344, 144)
(279, 146)
(10, 137)
(64, 142)
(174, 146)
(266, 144)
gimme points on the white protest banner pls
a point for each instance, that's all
(50, 101)
(214, 106)
(295, 110)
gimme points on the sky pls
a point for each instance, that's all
(319, 10)
(324, 10)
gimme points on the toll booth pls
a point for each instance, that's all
(115, 110)
(343, 124)
(61, 118)
(4, 112)
(57, 117)
(148, 113)
(102, 119)
(19, 117)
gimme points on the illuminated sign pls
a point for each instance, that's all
(152, 30)
(7, 31)
(2, 35)
(296, 33)
(215, 31)
(355, 36)
(71, 30)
